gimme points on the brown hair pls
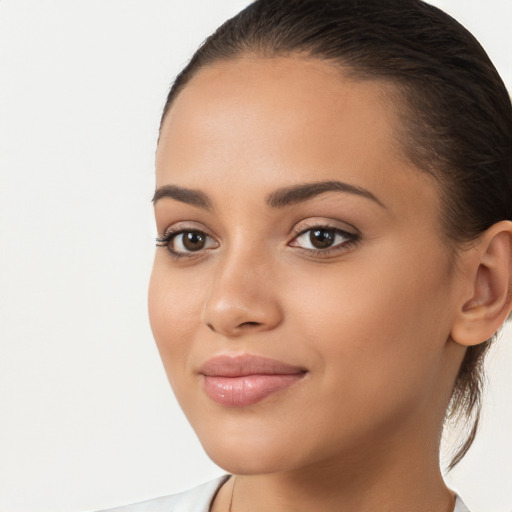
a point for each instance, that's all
(458, 115)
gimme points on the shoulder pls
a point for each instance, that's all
(197, 499)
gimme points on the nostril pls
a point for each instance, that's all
(249, 324)
(210, 326)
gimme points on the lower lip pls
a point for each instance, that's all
(248, 389)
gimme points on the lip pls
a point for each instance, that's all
(242, 380)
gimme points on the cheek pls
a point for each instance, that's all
(174, 304)
(378, 327)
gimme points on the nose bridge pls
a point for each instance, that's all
(242, 292)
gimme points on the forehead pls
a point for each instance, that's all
(274, 101)
(281, 121)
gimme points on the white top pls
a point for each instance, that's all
(199, 499)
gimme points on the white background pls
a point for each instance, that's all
(87, 419)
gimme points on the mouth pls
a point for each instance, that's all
(242, 380)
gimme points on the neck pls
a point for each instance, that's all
(397, 477)
(356, 490)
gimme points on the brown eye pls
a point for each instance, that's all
(193, 240)
(186, 242)
(322, 238)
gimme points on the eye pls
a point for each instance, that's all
(186, 241)
(323, 238)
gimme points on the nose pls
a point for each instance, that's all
(242, 297)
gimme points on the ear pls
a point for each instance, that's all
(486, 300)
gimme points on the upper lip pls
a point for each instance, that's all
(246, 364)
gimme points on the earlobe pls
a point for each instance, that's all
(489, 276)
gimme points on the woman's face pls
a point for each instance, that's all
(297, 232)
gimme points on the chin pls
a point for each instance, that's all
(250, 455)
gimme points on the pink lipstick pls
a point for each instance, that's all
(238, 381)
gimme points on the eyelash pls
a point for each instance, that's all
(166, 239)
(351, 239)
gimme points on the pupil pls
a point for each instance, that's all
(322, 238)
(193, 240)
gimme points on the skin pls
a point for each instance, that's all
(370, 321)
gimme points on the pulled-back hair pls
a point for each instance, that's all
(456, 112)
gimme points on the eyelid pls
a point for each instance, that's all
(184, 226)
(312, 223)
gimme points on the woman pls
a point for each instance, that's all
(333, 203)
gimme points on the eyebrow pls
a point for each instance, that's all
(299, 193)
(184, 195)
(278, 199)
